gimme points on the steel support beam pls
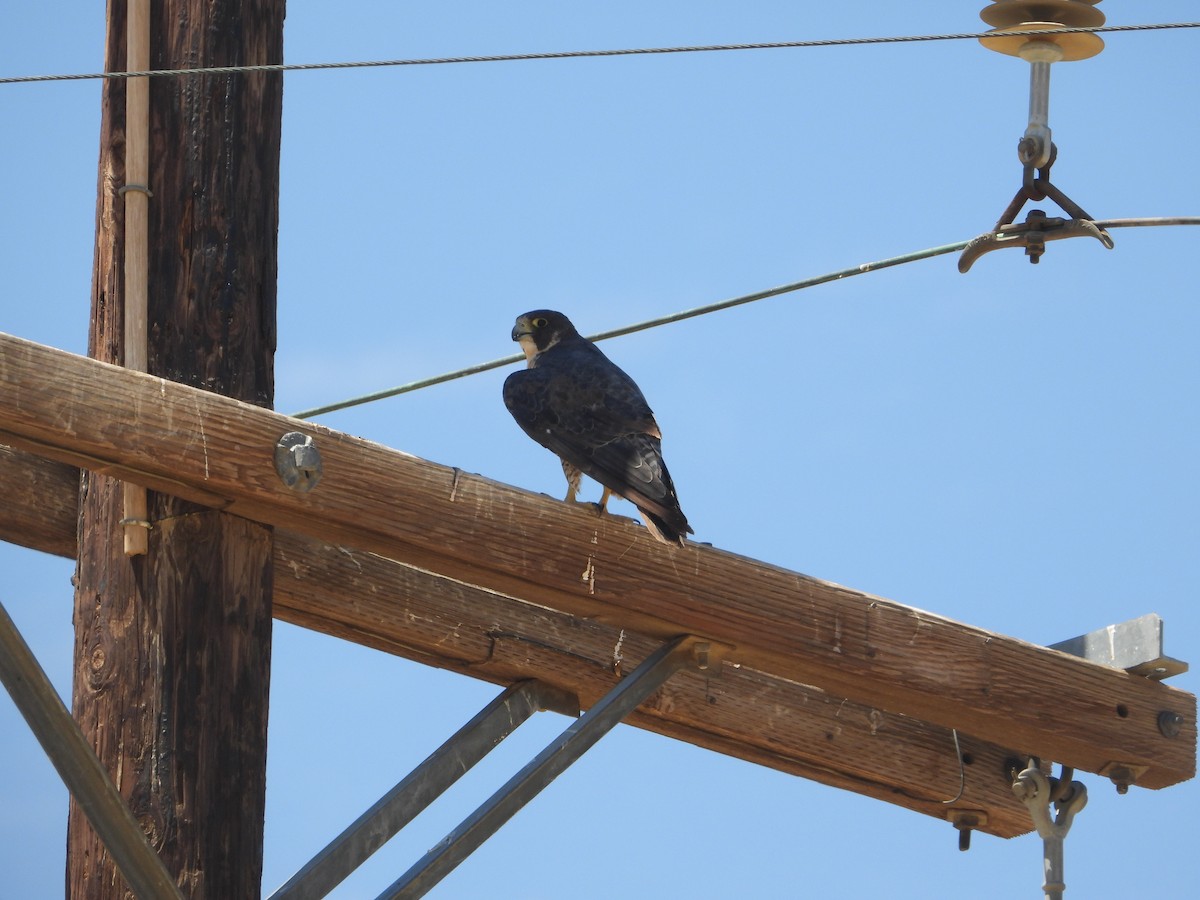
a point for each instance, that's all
(79, 768)
(426, 783)
(576, 740)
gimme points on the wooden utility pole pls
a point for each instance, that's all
(172, 649)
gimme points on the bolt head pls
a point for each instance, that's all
(297, 461)
(1170, 723)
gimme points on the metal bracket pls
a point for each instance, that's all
(560, 753)
(426, 783)
(1033, 788)
(80, 769)
(1135, 646)
(467, 747)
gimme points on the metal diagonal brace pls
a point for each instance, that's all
(1037, 792)
(80, 769)
(579, 737)
(428, 781)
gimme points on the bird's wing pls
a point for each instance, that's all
(526, 394)
(592, 415)
(576, 392)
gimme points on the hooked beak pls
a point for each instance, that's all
(521, 330)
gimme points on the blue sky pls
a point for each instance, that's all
(1013, 448)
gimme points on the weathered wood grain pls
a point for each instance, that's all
(872, 651)
(383, 604)
(172, 649)
(41, 503)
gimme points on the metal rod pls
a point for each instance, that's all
(544, 768)
(79, 768)
(1039, 793)
(1038, 130)
(1052, 868)
(412, 795)
(137, 242)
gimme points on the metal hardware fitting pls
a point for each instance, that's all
(564, 750)
(297, 461)
(1037, 791)
(1135, 646)
(1032, 235)
(966, 820)
(1122, 775)
(1036, 149)
(1038, 227)
(426, 783)
(1170, 723)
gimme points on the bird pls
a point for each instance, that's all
(575, 402)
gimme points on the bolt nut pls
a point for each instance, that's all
(965, 821)
(1121, 776)
(1028, 151)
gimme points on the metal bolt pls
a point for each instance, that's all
(964, 838)
(1012, 767)
(297, 461)
(965, 822)
(1029, 151)
(1121, 776)
(1170, 723)
(1035, 244)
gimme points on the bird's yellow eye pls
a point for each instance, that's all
(539, 322)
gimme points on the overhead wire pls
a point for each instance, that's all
(582, 54)
(640, 51)
(837, 275)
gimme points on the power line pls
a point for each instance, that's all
(582, 54)
(711, 308)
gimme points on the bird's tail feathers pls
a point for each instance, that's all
(667, 533)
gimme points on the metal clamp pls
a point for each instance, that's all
(1037, 228)
(1032, 234)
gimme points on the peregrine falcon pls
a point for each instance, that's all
(576, 403)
